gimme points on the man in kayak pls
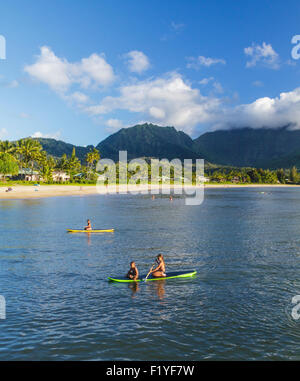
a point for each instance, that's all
(89, 226)
(133, 272)
(160, 269)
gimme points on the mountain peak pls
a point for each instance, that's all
(148, 140)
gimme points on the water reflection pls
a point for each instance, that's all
(134, 287)
(89, 239)
(158, 287)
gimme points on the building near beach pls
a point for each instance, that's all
(59, 176)
(27, 174)
(31, 175)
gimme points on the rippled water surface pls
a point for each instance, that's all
(245, 245)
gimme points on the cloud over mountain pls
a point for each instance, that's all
(264, 112)
(168, 99)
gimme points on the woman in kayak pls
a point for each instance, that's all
(89, 226)
(133, 272)
(160, 269)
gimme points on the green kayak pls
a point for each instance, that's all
(171, 275)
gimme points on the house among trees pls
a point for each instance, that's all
(27, 175)
(59, 176)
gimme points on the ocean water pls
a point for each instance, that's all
(244, 244)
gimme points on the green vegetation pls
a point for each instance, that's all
(26, 160)
(215, 175)
(265, 148)
(244, 156)
(8, 165)
(57, 148)
(252, 175)
(148, 140)
(92, 158)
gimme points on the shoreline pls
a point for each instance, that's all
(42, 191)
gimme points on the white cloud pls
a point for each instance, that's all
(198, 62)
(114, 125)
(205, 81)
(262, 54)
(172, 101)
(78, 97)
(39, 134)
(168, 101)
(96, 68)
(51, 70)
(157, 112)
(60, 74)
(264, 112)
(137, 61)
(218, 87)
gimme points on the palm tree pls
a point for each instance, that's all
(294, 175)
(29, 151)
(62, 165)
(73, 163)
(46, 166)
(92, 157)
(8, 148)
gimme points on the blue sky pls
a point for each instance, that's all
(81, 70)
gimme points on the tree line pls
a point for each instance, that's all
(28, 155)
(254, 175)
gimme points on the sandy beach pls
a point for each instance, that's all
(30, 191)
(27, 191)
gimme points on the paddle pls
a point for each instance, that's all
(148, 273)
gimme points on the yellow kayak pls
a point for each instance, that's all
(91, 231)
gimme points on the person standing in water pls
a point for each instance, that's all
(89, 226)
(133, 272)
(160, 269)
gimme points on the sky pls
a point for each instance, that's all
(80, 70)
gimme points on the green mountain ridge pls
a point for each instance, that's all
(57, 148)
(239, 147)
(246, 147)
(148, 140)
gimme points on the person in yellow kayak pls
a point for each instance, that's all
(89, 226)
(133, 272)
(160, 270)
